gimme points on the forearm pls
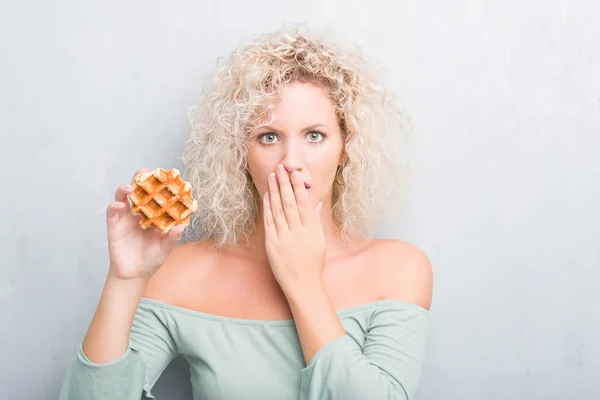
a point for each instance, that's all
(316, 320)
(385, 365)
(107, 337)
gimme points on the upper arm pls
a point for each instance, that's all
(408, 273)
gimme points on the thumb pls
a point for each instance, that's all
(170, 240)
(319, 207)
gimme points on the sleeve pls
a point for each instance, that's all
(387, 368)
(130, 377)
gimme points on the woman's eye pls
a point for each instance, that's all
(268, 138)
(315, 136)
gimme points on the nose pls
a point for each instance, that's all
(292, 158)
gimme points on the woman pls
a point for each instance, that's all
(282, 293)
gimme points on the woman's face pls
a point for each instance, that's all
(304, 136)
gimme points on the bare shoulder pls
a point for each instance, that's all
(201, 277)
(404, 270)
(187, 265)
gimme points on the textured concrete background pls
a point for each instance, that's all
(505, 99)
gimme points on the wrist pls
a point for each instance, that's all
(130, 287)
(306, 295)
(112, 276)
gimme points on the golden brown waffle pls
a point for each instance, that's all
(162, 199)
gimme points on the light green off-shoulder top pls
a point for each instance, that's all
(379, 358)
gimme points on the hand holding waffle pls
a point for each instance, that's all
(141, 234)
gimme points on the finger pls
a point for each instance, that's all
(170, 240)
(302, 199)
(114, 211)
(270, 229)
(288, 199)
(118, 213)
(276, 206)
(122, 192)
(140, 170)
(176, 232)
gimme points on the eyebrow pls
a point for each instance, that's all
(308, 128)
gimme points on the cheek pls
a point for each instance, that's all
(258, 173)
(260, 181)
(324, 156)
(323, 166)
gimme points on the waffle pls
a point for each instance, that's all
(162, 199)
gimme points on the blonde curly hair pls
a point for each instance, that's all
(230, 108)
